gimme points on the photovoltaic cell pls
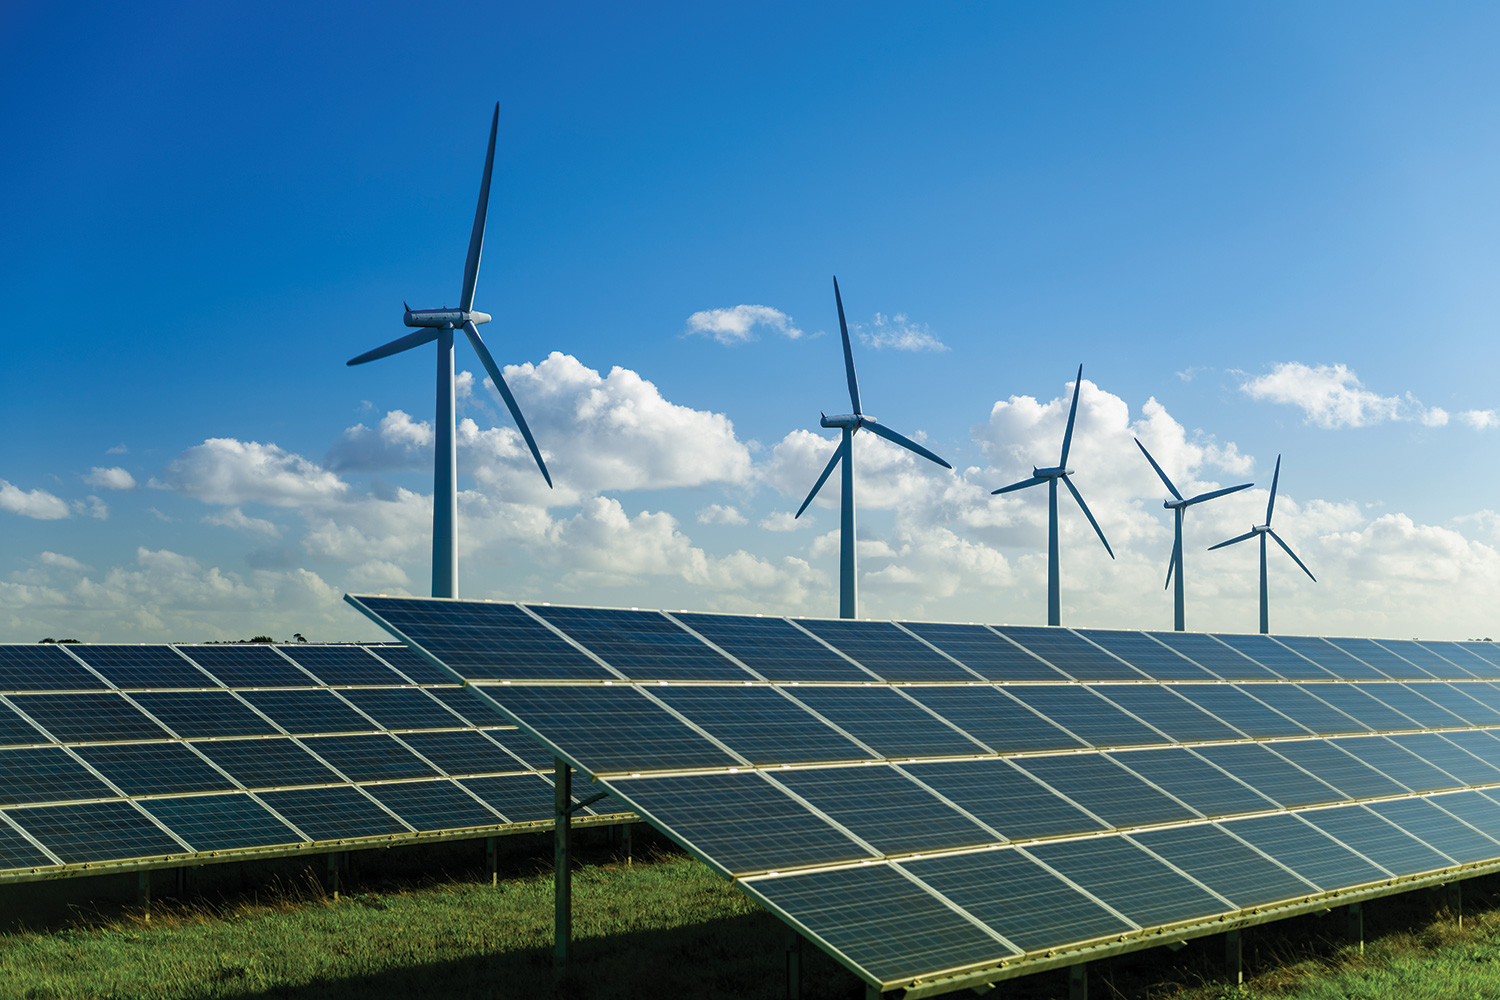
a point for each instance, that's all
(1162, 708)
(520, 798)
(1224, 864)
(192, 714)
(1150, 657)
(707, 812)
(402, 708)
(881, 718)
(985, 652)
(1330, 657)
(310, 710)
(1381, 659)
(1341, 770)
(1425, 658)
(1003, 797)
(43, 668)
(1270, 774)
(221, 822)
(272, 763)
(434, 805)
(1106, 789)
(762, 725)
(1399, 764)
(463, 703)
(773, 648)
(1425, 820)
(531, 752)
(15, 730)
(1452, 758)
(247, 665)
(463, 752)
(881, 920)
(1129, 879)
(1216, 657)
(887, 651)
(1357, 701)
(1410, 703)
(1306, 850)
(1088, 716)
(154, 768)
(100, 717)
(643, 645)
(1477, 809)
(1037, 910)
(1278, 658)
(1382, 842)
(144, 667)
(1194, 780)
(1458, 654)
(1453, 698)
(1477, 742)
(333, 813)
(994, 718)
(412, 666)
(18, 852)
(1302, 705)
(371, 757)
(1241, 709)
(875, 802)
(95, 831)
(1483, 650)
(338, 665)
(46, 774)
(1076, 657)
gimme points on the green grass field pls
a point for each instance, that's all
(666, 927)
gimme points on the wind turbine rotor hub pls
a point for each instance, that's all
(1174, 504)
(1052, 473)
(847, 420)
(1260, 529)
(444, 319)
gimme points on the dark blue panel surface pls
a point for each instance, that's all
(464, 752)
(1193, 780)
(643, 645)
(1301, 705)
(882, 921)
(413, 665)
(1306, 850)
(1426, 659)
(1147, 655)
(528, 749)
(985, 652)
(774, 648)
(1214, 656)
(881, 718)
(1408, 700)
(709, 813)
(95, 831)
(15, 730)
(1225, 865)
(1105, 789)
(310, 710)
(434, 805)
(247, 665)
(475, 711)
(88, 717)
(43, 668)
(1450, 756)
(1479, 810)
(18, 852)
(402, 708)
(1459, 655)
(193, 714)
(1130, 880)
(1384, 843)
(332, 813)
(1330, 657)
(374, 757)
(524, 798)
(994, 718)
(1362, 702)
(1036, 910)
(144, 667)
(221, 822)
(1344, 772)
(1272, 654)
(46, 774)
(1400, 764)
(344, 665)
(1076, 657)
(154, 768)
(1381, 659)
(269, 763)
(1164, 709)
(761, 724)
(1003, 797)
(1240, 707)
(1088, 716)
(1270, 774)
(878, 804)
(1425, 820)
(887, 651)
(1454, 698)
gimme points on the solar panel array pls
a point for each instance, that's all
(942, 805)
(135, 756)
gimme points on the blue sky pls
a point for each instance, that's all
(1262, 230)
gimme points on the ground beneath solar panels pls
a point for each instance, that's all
(424, 922)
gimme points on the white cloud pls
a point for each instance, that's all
(1481, 420)
(399, 443)
(92, 506)
(230, 472)
(898, 333)
(37, 504)
(237, 519)
(887, 475)
(718, 513)
(61, 561)
(782, 520)
(737, 325)
(114, 478)
(1332, 396)
(119, 449)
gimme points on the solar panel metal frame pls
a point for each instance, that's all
(1009, 961)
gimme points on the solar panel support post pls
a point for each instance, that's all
(1054, 571)
(562, 872)
(1234, 956)
(143, 894)
(793, 965)
(848, 593)
(1356, 926)
(492, 860)
(1078, 981)
(335, 872)
(1453, 899)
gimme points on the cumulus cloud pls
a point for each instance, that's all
(60, 561)
(92, 506)
(781, 520)
(898, 333)
(119, 449)
(37, 504)
(737, 325)
(1481, 420)
(718, 513)
(399, 442)
(238, 520)
(230, 472)
(114, 478)
(1332, 396)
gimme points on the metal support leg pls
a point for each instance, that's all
(492, 860)
(1078, 981)
(1456, 902)
(793, 965)
(562, 872)
(335, 870)
(625, 843)
(182, 881)
(143, 894)
(1357, 926)
(1234, 956)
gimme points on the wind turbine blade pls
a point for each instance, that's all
(1171, 565)
(1072, 413)
(476, 238)
(1289, 552)
(1088, 513)
(510, 401)
(904, 442)
(1033, 481)
(849, 353)
(1236, 538)
(1272, 502)
(426, 335)
(827, 470)
(1160, 473)
(1219, 493)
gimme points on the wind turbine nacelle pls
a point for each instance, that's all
(1260, 529)
(1174, 504)
(444, 319)
(846, 420)
(1052, 473)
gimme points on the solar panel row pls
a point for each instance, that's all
(934, 801)
(120, 755)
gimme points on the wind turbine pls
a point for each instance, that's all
(438, 325)
(850, 423)
(1263, 530)
(1178, 506)
(1050, 477)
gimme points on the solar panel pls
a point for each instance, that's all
(942, 806)
(143, 756)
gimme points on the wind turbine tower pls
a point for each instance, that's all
(1051, 477)
(849, 424)
(438, 325)
(1263, 530)
(1178, 506)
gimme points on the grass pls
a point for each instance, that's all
(664, 928)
